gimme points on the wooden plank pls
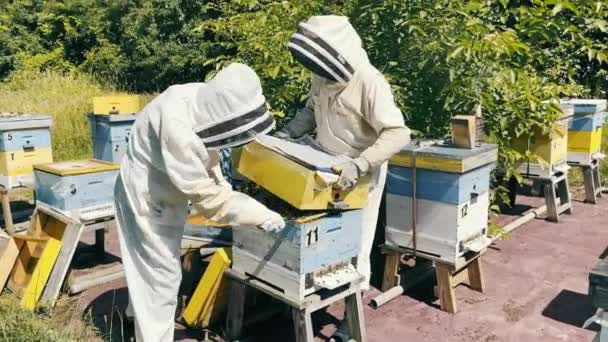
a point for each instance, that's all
(446, 291)
(70, 240)
(31, 238)
(589, 185)
(551, 201)
(45, 264)
(476, 275)
(236, 311)
(462, 276)
(391, 270)
(7, 261)
(302, 323)
(201, 303)
(354, 317)
(563, 190)
(24, 267)
(6, 211)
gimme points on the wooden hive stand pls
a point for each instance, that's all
(301, 310)
(466, 270)
(557, 196)
(592, 180)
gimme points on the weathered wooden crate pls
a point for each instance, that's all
(452, 199)
(295, 183)
(81, 189)
(24, 139)
(110, 135)
(22, 161)
(116, 104)
(311, 253)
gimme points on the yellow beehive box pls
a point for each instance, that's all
(585, 141)
(20, 162)
(295, 183)
(551, 147)
(117, 104)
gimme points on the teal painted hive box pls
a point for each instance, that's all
(310, 254)
(451, 195)
(110, 135)
(81, 189)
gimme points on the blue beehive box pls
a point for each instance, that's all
(452, 199)
(82, 189)
(110, 135)
(311, 253)
(25, 140)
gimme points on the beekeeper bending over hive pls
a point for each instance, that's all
(352, 108)
(172, 158)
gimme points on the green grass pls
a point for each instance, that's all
(67, 97)
(17, 324)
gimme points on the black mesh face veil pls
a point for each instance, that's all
(319, 57)
(239, 130)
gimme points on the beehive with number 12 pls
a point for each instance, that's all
(111, 122)
(585, 130)
(25, 140)
(451, 195)
(82, 189)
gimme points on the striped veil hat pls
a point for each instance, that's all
(323, 43)
(232, 110)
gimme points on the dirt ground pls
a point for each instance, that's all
(536, 290)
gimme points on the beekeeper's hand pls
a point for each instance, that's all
(282, 134)
(273, 224)
(350, 172)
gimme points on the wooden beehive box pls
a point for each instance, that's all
(298, 259)
(452, 199)
(551, 148)
(110, 135)
(81, 189)
(585, 130)
(25, 140)
(295, 183)
(33, 265)
(116, 104)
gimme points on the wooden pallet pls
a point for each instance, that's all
(301, 310)
(467, 269)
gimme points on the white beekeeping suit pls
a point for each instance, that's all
(352, 108)
(172, 158)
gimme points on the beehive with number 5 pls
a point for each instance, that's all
(452, 199)
(111, 122)
(25, 140)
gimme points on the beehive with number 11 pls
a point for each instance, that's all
(452, 199)
(111, 122)
(585, 130)
(25, 140)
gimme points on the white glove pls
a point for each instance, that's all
(273, 224)
(350, 172)
(282, 134)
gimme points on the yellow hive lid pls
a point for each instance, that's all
(116, 104)
(77, 167)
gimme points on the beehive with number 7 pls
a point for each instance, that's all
(585, 130)
(25, 140)
(450, 197)
(111, 122)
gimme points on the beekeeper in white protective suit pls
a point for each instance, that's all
(172, 158)
(352, 108)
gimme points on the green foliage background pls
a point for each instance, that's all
(442, 57)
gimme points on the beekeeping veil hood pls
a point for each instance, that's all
(231, 109)
(328, 46)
